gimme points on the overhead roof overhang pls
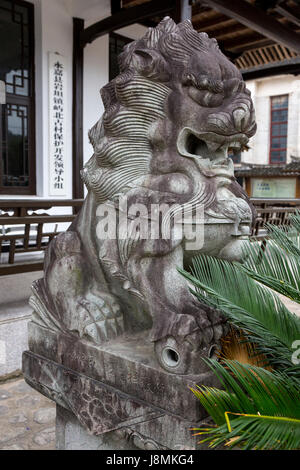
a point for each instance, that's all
(262, 37)
(255, 170)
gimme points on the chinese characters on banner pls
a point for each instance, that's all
(57, 134)
(274, 187)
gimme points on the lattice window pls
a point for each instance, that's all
(15, 145)
(279, 128)
(17, 149)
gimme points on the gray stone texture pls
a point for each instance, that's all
(70, 435)
(116, 337)
(15, 313)
(170, 118)
(19, 429)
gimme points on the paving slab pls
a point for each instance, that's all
(27, 418)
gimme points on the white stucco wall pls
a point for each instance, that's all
(96, 75)
(54, 33)
(261, 91)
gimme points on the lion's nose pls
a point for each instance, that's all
(241, 117)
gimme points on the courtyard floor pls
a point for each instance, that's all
(27, 418)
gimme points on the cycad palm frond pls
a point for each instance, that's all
(277, 265)
(257, 408)
(249, 306)
(256, 432)
(272, 269)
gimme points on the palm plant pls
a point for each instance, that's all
(258, 405)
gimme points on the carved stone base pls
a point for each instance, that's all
(113, 396)
(70, 435)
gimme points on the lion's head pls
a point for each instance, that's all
(176, 109)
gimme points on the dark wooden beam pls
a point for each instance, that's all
(257, 20)
(212, 23)
(149, 23)
(290, 14)
(115, 6)
(198, 10)
(125, 17)
(243, 43)
(271, 70)
(8, 269)
(77, 124)
(230, 54)
(228, 30)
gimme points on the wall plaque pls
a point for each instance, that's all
(57, 128)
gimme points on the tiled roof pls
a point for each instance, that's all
(248, 169)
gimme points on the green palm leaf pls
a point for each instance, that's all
(287, 238)
(256, 432)
(257, 408)
(276, 263)
(249, 306)
(271, 268)
(295, 221)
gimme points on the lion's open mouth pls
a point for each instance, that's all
(211, 149)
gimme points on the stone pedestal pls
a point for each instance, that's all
(70, 435)
(161, 190)
(113, 396)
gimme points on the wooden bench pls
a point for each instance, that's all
(23, 230)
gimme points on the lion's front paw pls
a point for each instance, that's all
(97, 318)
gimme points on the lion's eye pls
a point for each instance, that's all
(204, 90)
(205, 97)
(203, 82)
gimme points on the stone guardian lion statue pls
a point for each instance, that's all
(172, 115)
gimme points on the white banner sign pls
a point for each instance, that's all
(57, 124)
(2, 92)
(274, 187)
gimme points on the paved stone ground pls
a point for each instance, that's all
(27, 418)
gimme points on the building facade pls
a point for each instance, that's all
(37, 35)
(270, 168)
(36, 129)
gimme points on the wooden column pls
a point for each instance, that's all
(77, 125)
(183, 11)
(115, 6)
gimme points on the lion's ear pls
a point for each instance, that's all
(151, 64)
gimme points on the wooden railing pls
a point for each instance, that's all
(22, 227)
(275, 212)
(22, 230)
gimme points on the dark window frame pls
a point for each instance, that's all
(275, 123)
(28, 101)
(116, 37)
